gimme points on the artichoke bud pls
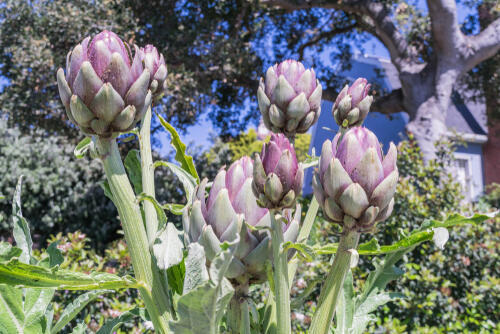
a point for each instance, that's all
(105, 88)
(278, 177)
(227, 212)
(354, 183)
(155, 63)
(352, 104)
(289, 98)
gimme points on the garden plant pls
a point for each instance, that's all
(244, 228)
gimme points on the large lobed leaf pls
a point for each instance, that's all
(206, 298)
(16, 273)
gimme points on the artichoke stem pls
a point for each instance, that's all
(238, 316)
(145, 271)
(335, 280)
(147, 170)
(280, 266)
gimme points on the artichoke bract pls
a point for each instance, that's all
(278, 177)
(155, 63)
(354, 183)
(225, 213)
(352, 104)
(289, 98)
(105, 90)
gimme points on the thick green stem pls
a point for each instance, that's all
(238, 315)
(334, 281)
(281, 287)
(148, 182)
(135, 235)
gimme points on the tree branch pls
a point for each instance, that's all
(389, 104)
(445, 29)
(323, 35)
(375, 15)
(482, 46)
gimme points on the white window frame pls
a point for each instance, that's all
(467, 157)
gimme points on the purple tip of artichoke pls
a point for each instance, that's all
(155, 63)
(352, 104)
(278, 176)
(354, 178)
(289, 98)
(105, 89)
(217, 218)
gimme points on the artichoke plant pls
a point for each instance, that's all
(105, 90)
(354, 183)
(289, 98)
(277, 177)
(352, 104)
(225, 213)
(155, 63)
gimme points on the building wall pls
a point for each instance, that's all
(469, 159)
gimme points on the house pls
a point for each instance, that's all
(465, 120)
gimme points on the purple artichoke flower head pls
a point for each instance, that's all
(355, 182)
(105, 89)
(224, 215)
(155, 63)
(353, 104)
(289, 98)
(278, 177)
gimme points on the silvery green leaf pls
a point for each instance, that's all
(21, 228)
(160, 213)
(80, 329)
(344, 312)
(11, 309)
(112, 325)
(196, 269)
(82, 147)
(132, 164)
(168, 247)
(201, 309)
(71, 310)
(187, 180)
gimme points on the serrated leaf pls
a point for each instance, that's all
(162, 218)
(82, 147)
(187, 180)
(107, 190)
(304, 250)
(36, 303)
(425, 233)
(7, 251)
(344, 312)
(132, 164)
(11, 310)
(20, 274)
(71, 310)
(55, 255)
(21, 230)
(168, 247)
(112, 325)
(185, 160)
(80, 329)
(201, 309)
(196, 269)
(175, 276)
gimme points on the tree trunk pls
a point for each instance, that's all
(427, 96)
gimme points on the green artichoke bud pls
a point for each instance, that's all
(354, 183)
(352, 104)
(105, 90)
(278, 176)
(229, 210)
(289, 98)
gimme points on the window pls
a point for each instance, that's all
(463, 173)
